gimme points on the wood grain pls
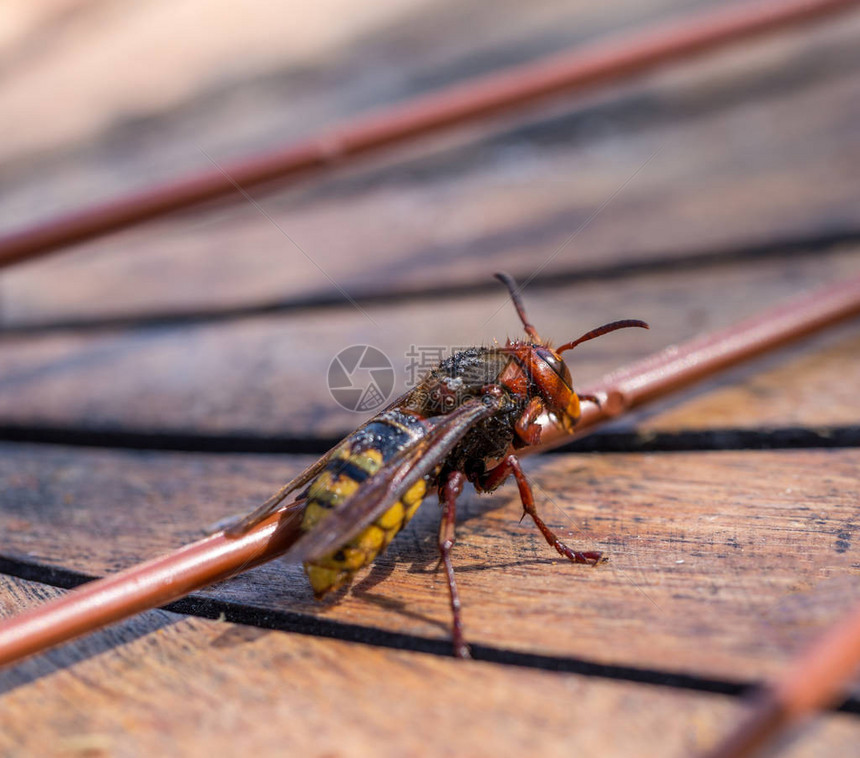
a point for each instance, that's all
(723, 565)
(753, 552)
(735, 151)
(238, 84)
(167, 684)
(267, 376)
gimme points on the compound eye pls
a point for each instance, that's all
(557, 365)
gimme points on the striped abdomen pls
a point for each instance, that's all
(358, 457)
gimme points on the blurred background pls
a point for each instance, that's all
(749, 153)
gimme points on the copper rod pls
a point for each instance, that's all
(160, 581)
(679, 366)
(515, 87)
(142, 587)
(814, 681)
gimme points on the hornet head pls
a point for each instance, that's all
(536, 367)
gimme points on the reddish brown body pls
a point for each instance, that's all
(465, 421)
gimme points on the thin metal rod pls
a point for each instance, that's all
(160, 581)
(145, 586)
(516, 87)
(679, 366)
(815, 680)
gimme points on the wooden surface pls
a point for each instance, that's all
(512, 197)
(235, 685)
(262, 376)
(737, 550)
(691, 198)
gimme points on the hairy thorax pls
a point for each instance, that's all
(462, 377)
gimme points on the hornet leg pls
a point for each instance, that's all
(448, 494)
(511, 464)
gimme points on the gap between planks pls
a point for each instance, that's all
(741, 538)
(695, 260)
(685, 440)
(247, 614)
(189, 686)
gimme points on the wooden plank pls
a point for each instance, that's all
(755, 552)
(722, 565)
(239, 85)
(267, 376)
(185, 686)
(685, 171)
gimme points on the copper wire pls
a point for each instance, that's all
(599, 63)
(815, 680)
(168, 578)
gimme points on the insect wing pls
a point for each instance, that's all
(273, 504)
(378, 493)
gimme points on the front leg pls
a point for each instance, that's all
(527, 428)
(494, 478)
(591, 399)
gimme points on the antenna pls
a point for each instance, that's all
(509, 282)
(601, 330)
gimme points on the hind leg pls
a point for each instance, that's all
(448, 494)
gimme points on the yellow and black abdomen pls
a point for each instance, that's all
(357, 458)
